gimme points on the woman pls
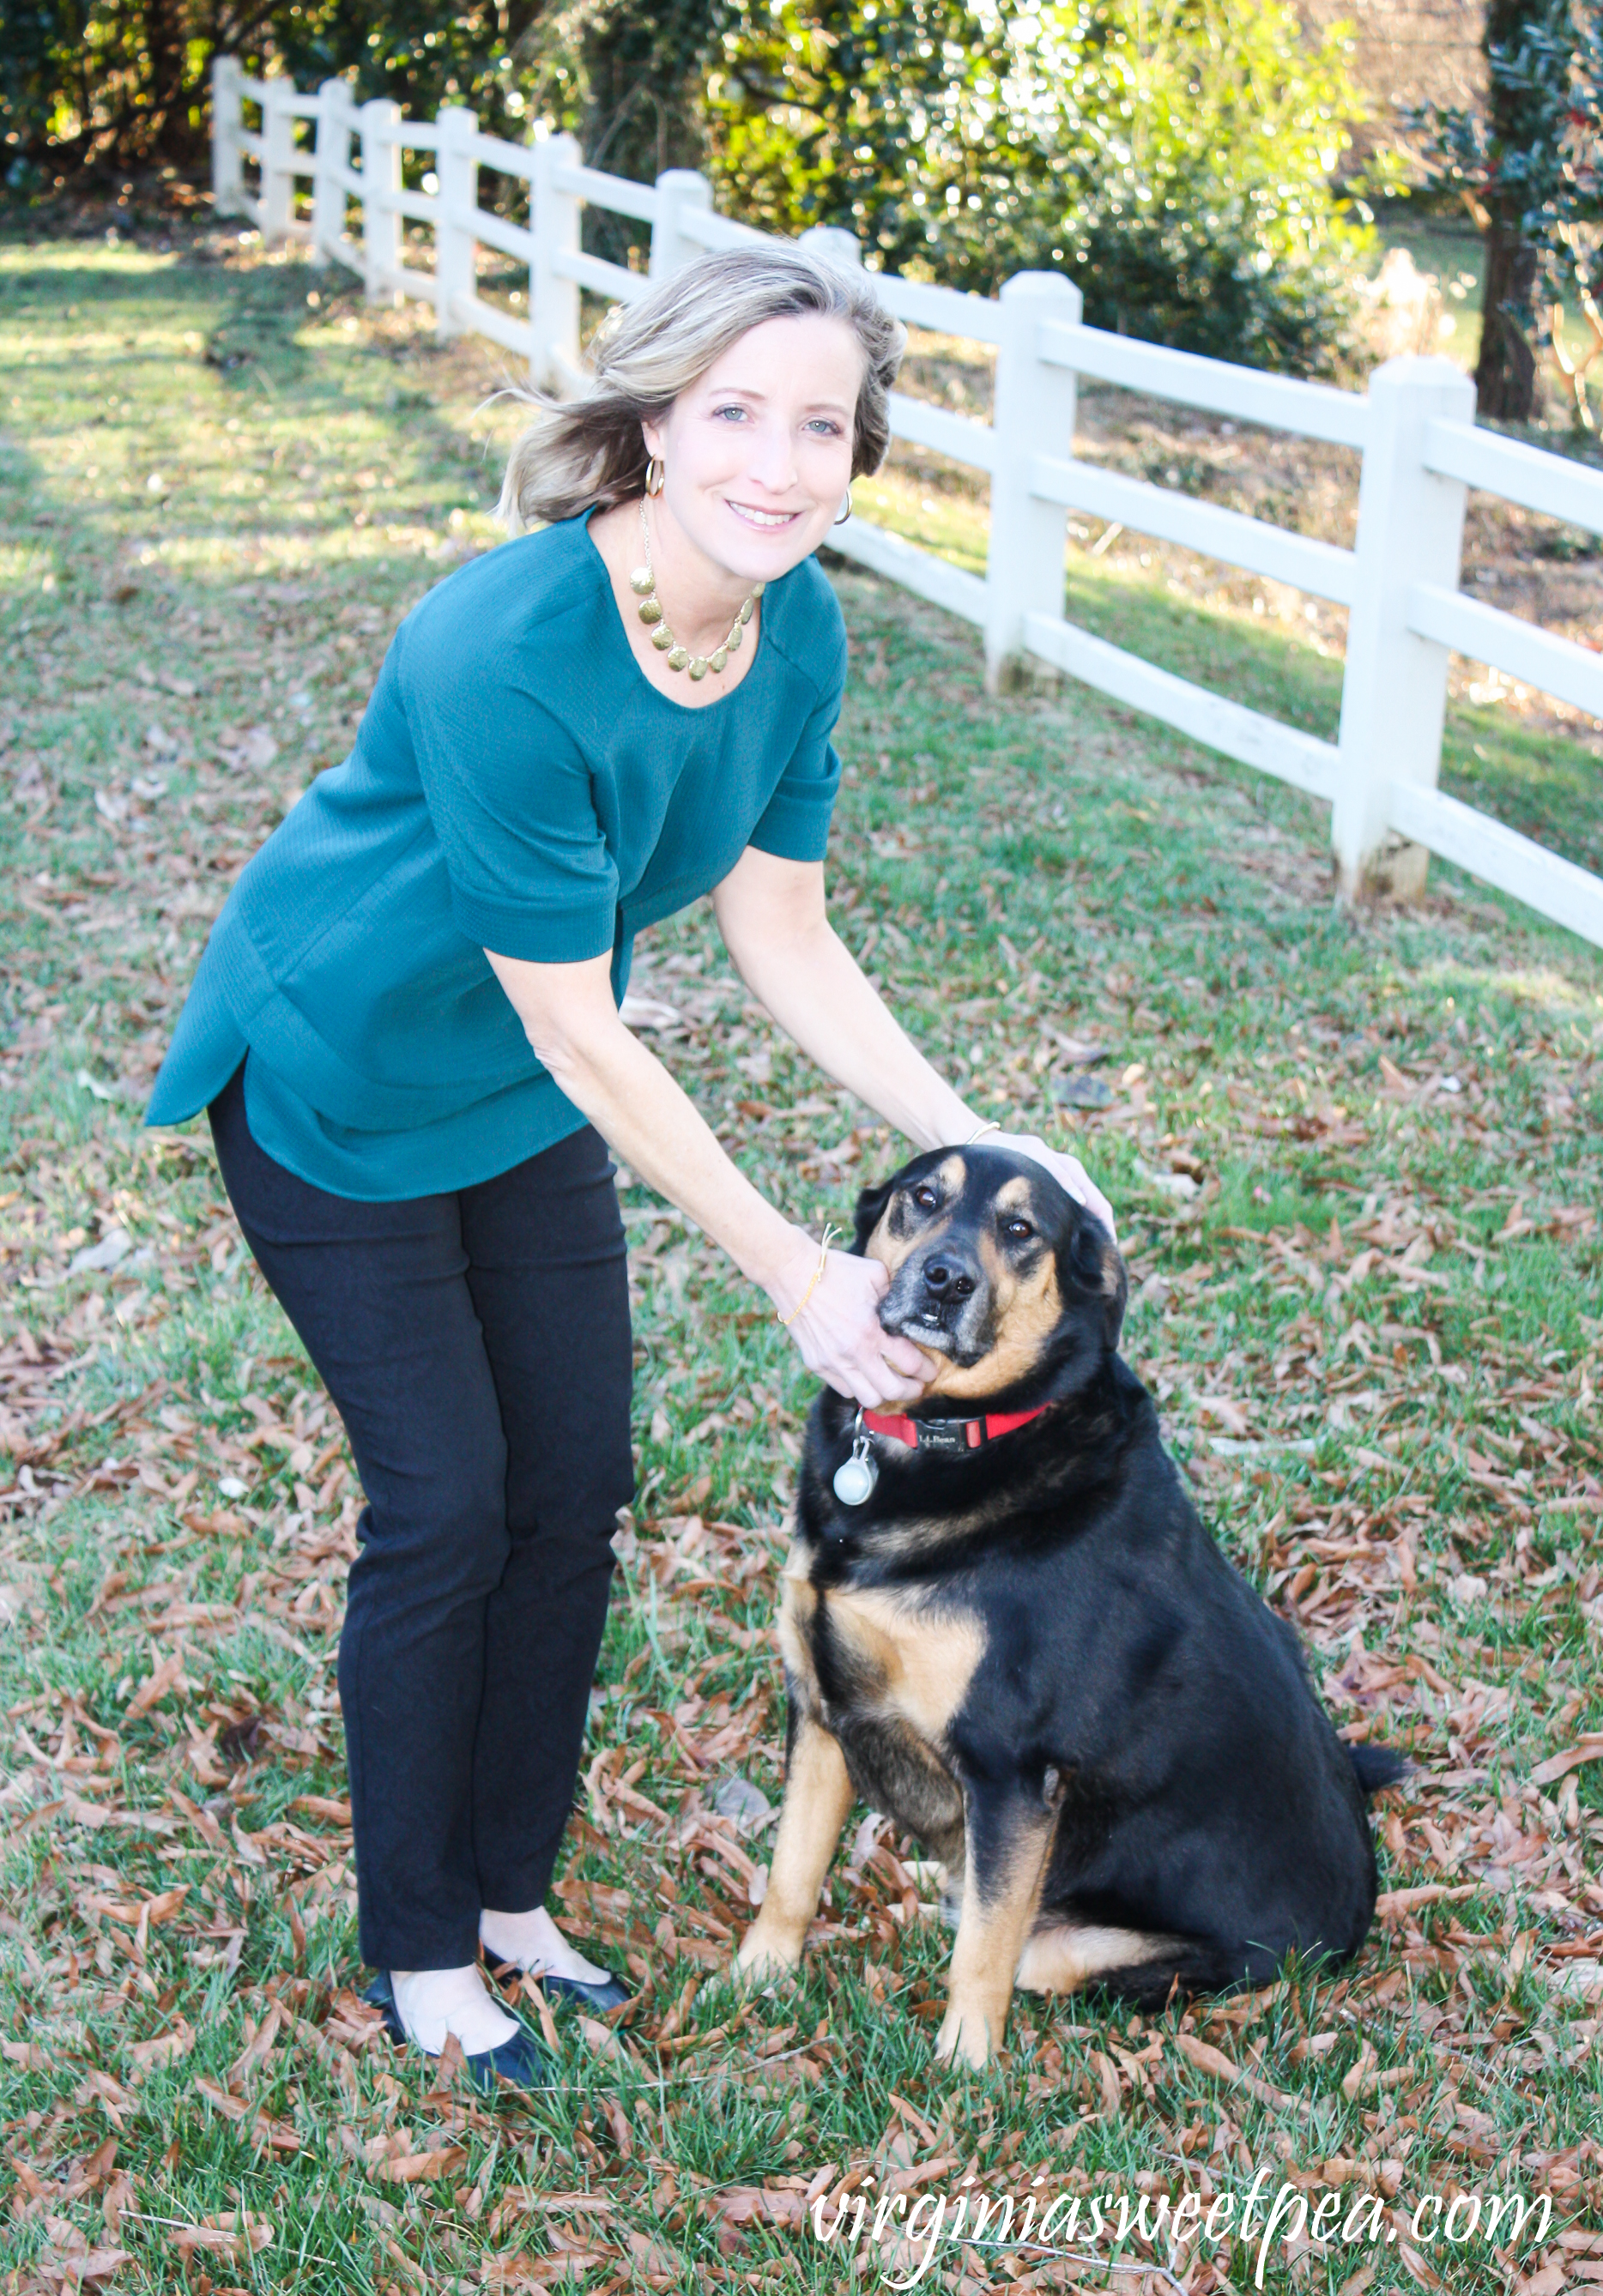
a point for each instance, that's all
(406, 1027)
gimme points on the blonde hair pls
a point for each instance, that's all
(586, 450)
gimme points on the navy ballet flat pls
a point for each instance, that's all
(599, 1995)
(605, 1993)
(521, 2061)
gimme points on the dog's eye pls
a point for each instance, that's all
(925, 1199)
(1019, 1229)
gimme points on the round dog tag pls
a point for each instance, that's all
(854, 1479)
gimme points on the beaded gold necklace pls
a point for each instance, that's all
(643, 582)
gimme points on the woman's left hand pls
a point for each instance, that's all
(1068, 1171)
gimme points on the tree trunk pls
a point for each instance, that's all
(645, 61)
(1505, 374)
(164, 78)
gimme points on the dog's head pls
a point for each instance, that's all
(996, 1270)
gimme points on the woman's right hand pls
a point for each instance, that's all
(839, 1333)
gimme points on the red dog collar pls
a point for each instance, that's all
(948, 1434)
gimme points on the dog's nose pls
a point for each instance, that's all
(947, 1278)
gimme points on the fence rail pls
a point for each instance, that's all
(1414, 430)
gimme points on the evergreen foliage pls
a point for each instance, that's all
(98, 85)
(1176, 161)
(1530, 172)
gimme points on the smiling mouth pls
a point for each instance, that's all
(927, 1327)
(768, 521)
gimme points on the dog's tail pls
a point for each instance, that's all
(1378, 1767)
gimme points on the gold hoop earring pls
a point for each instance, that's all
(846, 514)
(656, 473)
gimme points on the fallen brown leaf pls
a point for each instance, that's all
(163, 2049)
(154, 1687)
(1207, 2059)
(1589, 1749)
(422, 2168)
(337, 1813)
(1393, 1904)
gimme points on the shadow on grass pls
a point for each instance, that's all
(122, 337)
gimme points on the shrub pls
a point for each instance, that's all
(1172, 156)
(98, 85)
(1176, 161)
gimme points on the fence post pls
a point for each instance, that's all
(1035, 413)
(277, 157)
(531, 329)
(678, 188)
(553, 299)
(227, 182)
(1411, 525)
(455, 261)
(380, 119)
(832, 242)
(331, 156)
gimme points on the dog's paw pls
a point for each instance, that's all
(763, 1957)
(964, 2039)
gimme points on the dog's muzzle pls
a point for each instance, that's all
(939, 1298)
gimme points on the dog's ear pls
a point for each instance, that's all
(1115, 1281)
(870, 1209)
(1097, 1266)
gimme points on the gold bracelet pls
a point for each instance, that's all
(785, 1322)
(993, 1124)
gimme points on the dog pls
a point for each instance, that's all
(1024, 1647)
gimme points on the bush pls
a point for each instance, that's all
(1172, 156)
(91, 87)
(1176, 162)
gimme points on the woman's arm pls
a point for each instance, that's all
(571, 1020)
(771, 914)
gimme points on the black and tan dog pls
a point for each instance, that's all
(1026, 1649)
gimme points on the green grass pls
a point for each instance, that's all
(1356, 1162)
(1539, 783)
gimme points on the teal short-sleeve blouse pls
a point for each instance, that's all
(517, 784)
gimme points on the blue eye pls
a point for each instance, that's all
(823, 423)
(719, 413)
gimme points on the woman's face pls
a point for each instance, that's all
(757, 455)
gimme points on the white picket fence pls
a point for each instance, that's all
(1415, 429)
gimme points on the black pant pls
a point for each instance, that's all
(477, 1346)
